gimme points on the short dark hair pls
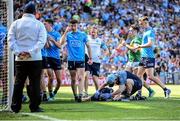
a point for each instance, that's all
(50, 21)
(73, 21)
(30, 8)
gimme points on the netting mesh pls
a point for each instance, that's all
(3, 56)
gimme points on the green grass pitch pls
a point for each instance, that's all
(64, 108)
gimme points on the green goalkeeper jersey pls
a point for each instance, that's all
(135, 56)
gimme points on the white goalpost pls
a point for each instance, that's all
(6, 56)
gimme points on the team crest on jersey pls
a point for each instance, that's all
(75, 43)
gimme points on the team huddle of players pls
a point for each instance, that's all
(84, 58)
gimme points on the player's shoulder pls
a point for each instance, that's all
(150, 30)
(56, 32)
(16, 21)
(39, 22)
(81, 32)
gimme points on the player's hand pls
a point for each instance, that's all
(68, 29)
(117, 97)
(24, 55)
(50, 38)
(136, 48)
(90, 62)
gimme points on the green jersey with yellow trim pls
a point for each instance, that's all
(135, 56)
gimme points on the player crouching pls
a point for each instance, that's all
(128, 84)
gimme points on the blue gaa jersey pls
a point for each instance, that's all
(122, 77)
(148, 52)
(44, 52)
(54, 51)
(76, 45)
(3, 32)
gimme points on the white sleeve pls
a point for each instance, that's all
(12, 38)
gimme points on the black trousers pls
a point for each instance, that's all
(32, 70)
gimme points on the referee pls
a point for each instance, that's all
(27, 36)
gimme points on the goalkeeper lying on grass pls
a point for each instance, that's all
(128, 84)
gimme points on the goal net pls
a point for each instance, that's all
(5, 95)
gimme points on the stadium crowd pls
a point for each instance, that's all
(112, 18)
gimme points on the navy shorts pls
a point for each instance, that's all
(95, 69)
(147, 62)
(137, 83)
(73, 65)
(53, 63)
(44, 63)
(87, 68)
(137, 86)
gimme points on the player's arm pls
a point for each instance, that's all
(129, 87)
(132, 48)
(63, 38)
(128, 46)
(57, 43)
(47, 45)
(120, 90)
(151, 39)
(89, 52)
(105, 48)
(149, 44)
(103, 86)
(120, 44)
(12, 39)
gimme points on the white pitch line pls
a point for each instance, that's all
(45, 117)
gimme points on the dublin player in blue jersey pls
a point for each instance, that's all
(147, 61)
(128, 84)
(53, 58)
(76, 41)
(3, 32)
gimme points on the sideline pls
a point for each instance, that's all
(43, 117)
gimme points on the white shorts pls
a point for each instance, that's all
(132, 64)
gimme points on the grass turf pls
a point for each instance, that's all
(64, 108)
